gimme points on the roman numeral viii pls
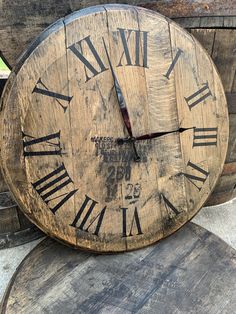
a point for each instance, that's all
(51, 141)
(96, 66)
(49, 185)
(196, 179)
(62, 100)
(199, 96)
(134, 222)
(86, 210)
(205, 137)
(140, 40)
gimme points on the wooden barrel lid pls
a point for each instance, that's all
(192, 272)
(61, 121)
(19, 27)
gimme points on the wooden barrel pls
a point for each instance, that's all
(212, 22)
(15, 228)
(191, 272)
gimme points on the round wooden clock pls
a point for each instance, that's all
(114, 128)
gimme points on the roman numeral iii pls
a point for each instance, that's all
(141, 49)
(86, 210)
(42, 146)
(135, 222)
(62, 100)
(49, 185)
(97, 66)
(205, 137)
(199, 96)
(200, 178)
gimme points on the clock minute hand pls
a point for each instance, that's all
(122, 103)
(120, 97)
(149, 136)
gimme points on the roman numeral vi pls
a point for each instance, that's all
(135, 221)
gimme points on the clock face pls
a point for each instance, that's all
(114, 128)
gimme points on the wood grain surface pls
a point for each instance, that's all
(191, 272)
(21, 22)
(60, 157)
(60, 127)
(15, 228)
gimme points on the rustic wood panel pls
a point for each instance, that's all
(56, 172)
(21, 22)
(191, 272)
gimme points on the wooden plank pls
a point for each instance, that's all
(18, 27)
(182, 272)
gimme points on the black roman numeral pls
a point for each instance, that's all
(169, 205)
(135, 221)
(51, 184)
(205, 137)
(198, 96)
(51, 140)
(195, 180)
(88, 204)
(141, 39)
(78, 51)
(176, 58)
(42, 89)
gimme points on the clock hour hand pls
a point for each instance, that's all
(122, 103)
(121, 141)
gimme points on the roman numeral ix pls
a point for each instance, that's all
(88, 207)
(141, 51)
(97, 66)
(50, 184)
(199, 96)
(51, 141)
(135, 221)
(196, 179)
(41, 88)
(205, 137)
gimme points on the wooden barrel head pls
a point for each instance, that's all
(194, 272)
(19, 27)
(62, 120)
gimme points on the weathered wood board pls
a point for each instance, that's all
(21, 21)
(191, 272)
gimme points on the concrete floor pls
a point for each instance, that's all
(221, 220)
